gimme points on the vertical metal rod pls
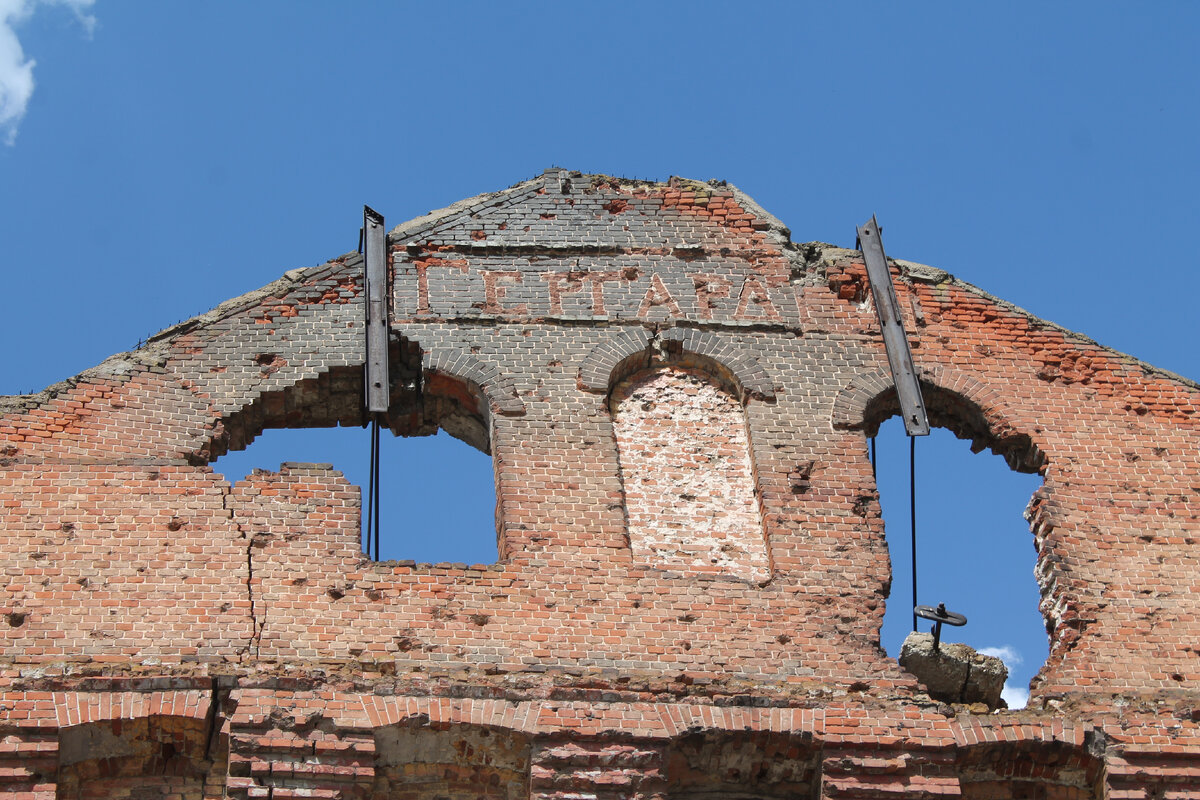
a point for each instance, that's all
(874, 473)
(912, 505)
(370, 499)
(375, 480)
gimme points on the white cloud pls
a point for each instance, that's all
(16, 71)
(1008, 655)
(1015, 696)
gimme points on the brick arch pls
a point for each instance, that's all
(954, 399)
(750, 376)
(333, 397)
(597, 372)
(630, 351)
(500, 392)
(79, 708)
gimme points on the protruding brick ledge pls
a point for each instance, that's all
(323, 743)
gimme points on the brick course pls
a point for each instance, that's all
(213, 639)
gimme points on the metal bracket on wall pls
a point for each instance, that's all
(904, 373)
(375, 291)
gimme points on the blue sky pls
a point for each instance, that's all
(157, 158)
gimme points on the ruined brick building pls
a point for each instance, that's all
(692, 575)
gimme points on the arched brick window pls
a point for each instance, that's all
(433, 391)
(687, 473)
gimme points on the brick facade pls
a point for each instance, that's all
(677, 400)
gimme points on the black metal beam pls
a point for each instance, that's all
(904, 373)
(375, 291)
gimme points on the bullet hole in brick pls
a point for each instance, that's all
(479, 619)
(863, 505)
(299, 581)
(374, 595)
(175, 524)
(16, 619)
(783, 638)
(799, 478)
(1177, 677)
(687, 618)
(335, 593)
(404, 643)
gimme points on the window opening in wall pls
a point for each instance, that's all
(975, 552)
(437, 493)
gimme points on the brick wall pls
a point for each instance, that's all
(688, 482)
(693, 573)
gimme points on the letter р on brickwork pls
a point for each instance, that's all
(676, 399)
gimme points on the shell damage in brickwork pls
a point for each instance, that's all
(689, 485)
(628, 643)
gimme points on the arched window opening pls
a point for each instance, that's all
(1029, 770)
(436, 483)
(142, 757)
(690, 490)
(438, 496)
(423, 762)
(742, 765)
(974, 551)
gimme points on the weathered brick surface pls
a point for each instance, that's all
(689, 484)
(693, 573)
